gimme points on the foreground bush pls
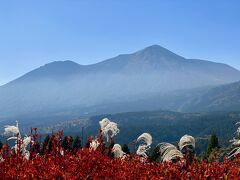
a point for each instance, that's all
(89, 164)
(59, 157)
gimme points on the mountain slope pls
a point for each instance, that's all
(63, 86)
(221, 98)
(57, 69)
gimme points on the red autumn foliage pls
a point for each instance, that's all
(88, 164)
(95, 165)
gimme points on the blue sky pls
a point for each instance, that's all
(33, 33)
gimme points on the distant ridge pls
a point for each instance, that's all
(220, 98)
(62, 86)
(54, 69)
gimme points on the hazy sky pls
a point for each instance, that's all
(33, 33)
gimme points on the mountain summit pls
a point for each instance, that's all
(158, 51)
(54, 69)
(62, 85)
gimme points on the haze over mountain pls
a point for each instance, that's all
(220, 98)
(65, 85)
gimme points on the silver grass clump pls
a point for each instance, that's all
(94, 144)
(233, 153)
(146, 137)
(23, 147)
(172, 156)
(238, 129)
(118, 152)
(103, 123)
(234, 141)
(26, 141)
(12, 130)
(142, 149)
(15, 134)
(185, 141)
(108, 126)
(12, 138)
(113, 128)
(169, 152)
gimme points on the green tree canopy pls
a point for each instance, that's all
(212, 144)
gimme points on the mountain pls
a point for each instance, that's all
(220, 98)
(65, 88)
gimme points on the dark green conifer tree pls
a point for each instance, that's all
(125, 149)
(1, 145)
(212, 144)
(45, 143)
(77, 143)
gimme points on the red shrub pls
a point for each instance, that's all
(95, 165)
(88, 164)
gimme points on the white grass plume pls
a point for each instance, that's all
(26, 141)
(12, 130)
(113, 128)
(24, 145)
(173, 155)
(233, 153)
(107, 126)
(234, 141)
(94, 144)
(142, 149)
(146, 137)
(169, 152)
(118, 152)
(12, 138)
(186, 140)
(103, 123)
